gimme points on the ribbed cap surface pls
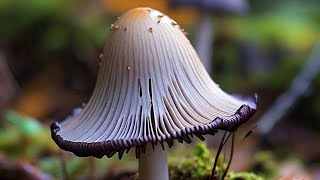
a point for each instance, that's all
(151, 87)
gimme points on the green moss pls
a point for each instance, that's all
(198, 166)
(243, 176)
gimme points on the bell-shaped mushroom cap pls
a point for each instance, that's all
(214, 6)
(151, 88)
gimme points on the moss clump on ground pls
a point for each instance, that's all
(195, 166)
(243, 176)
(198, 166)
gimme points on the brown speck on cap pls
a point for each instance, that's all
(174, 22)
(159, 21)
(160, 16)
(150, 29)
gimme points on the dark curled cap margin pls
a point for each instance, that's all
(109, 148)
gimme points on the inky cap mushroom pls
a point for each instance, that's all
(151, 88)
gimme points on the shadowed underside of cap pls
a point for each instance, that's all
(151, 88)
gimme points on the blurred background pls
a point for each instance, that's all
(49, 55)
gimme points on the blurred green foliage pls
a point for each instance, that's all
(23, 137)
(284, 31)
(52, 26)
(296, 30)
(20, 132)
(266, 165)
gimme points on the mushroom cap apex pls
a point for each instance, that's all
(138, 12)
(149, 17)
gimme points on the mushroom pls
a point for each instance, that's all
(165, 95)
(208, 8)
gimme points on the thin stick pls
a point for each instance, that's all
(222, 143)
(231, 156)
(217, 156)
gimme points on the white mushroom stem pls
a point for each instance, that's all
(153, 164)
